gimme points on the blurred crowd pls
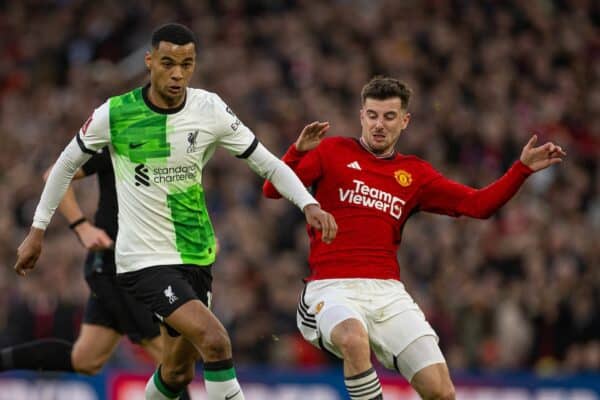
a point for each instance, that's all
(518, 291)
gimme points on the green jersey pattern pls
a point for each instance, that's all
(158, 159)
(136, 131)
(194, 233)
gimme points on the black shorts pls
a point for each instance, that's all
(113, 307)
(165, 288)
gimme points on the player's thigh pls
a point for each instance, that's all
(321, 308)
(390, 337)
(422, 361)
(178, 295)
(93, 347)
(432, 381)
(197, 323)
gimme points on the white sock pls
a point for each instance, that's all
(226, 390)
(220, 381)
(156, 390)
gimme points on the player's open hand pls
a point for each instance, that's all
(311, 135)
(92, 237)
(29, 251)
(538, 158)
(322, 221)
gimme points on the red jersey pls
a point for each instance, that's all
(371, 198)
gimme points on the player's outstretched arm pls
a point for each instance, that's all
(444, 196)
(58, 181)
(541, 157)
(291, 187)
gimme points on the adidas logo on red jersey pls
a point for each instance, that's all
(354, 165)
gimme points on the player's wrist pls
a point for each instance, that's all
(298, 149)
(311, 206)
(36, 232)
(76, 225)
(523, 167)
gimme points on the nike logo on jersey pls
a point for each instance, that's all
(354, 165)
(136, 145)
(233, 395)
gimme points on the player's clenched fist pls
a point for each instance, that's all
(322, 221)
(29, 251)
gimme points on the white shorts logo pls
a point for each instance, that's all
(170, 295)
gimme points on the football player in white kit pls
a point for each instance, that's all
(160, 136)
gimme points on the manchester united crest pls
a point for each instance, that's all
(319, 307)
(403, 178)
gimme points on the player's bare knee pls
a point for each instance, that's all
(216, 345)
(85, 365)
(441, 392)
(447, 395)
(352, 341)
(450, 394)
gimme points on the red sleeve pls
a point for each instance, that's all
(306, 164)
(444, 196)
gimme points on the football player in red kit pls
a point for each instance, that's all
(354, 301)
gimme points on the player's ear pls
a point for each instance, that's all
(148, 59)
(405, 120)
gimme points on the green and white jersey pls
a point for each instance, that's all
(158, 156)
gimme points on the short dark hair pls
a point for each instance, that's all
(383, 87)
(173, 33)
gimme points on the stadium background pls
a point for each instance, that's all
(516, 294)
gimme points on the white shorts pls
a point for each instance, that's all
(389, 314)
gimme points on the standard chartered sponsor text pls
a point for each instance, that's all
(174, 174)
(371, 197)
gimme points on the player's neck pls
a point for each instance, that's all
(366, 146)
(163, 102)
(160, 105)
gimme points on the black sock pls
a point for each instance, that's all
(43, 355)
